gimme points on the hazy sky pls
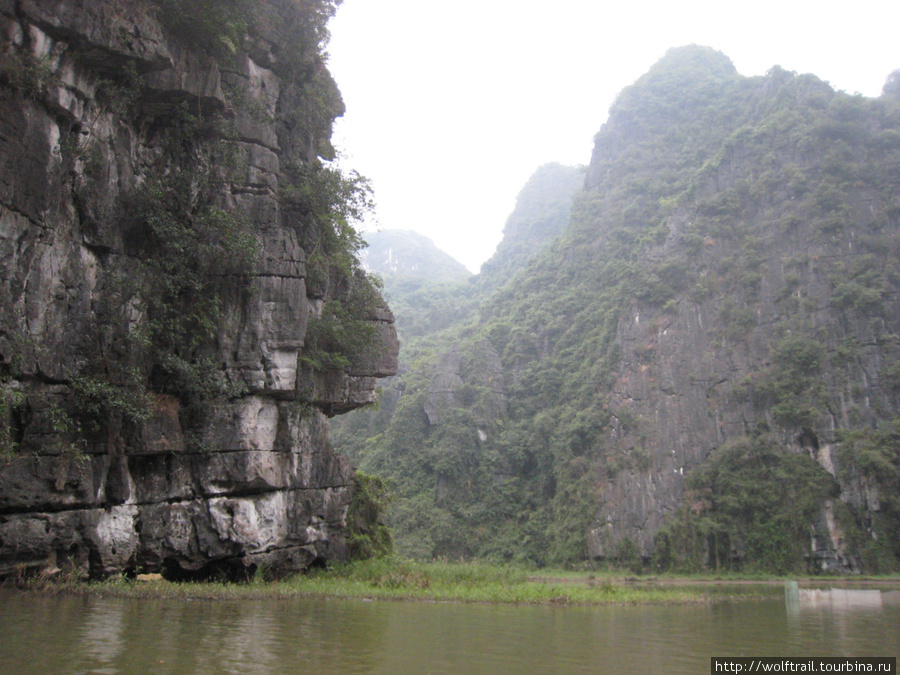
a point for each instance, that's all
(451, 106)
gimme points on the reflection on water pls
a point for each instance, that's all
(832, 599)
(99, 635)
(101, 638)
(841, 616)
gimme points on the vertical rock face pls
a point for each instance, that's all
(164, 255)
(765, 315)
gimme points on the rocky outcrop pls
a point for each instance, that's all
(162, 408)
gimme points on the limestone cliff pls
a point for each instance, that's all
(761, 330)
(703, 369)
(180, 308)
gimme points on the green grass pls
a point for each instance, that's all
(436, 581)
(395, 579)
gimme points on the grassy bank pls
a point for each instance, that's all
(394, 579)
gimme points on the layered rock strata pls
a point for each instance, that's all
(245, 477)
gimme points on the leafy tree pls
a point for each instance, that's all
(891, 87)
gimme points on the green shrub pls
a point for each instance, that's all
(343, 334)
(368, 534)
(10, 399)
(23, 72)
(875, 455)
(791, 388)
(751, 497)
(217, 27)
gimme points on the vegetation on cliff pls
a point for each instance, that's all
(699, 372)
(181, 299)
(161, 320)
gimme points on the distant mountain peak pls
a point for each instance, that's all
(540, 215)
(405, 253)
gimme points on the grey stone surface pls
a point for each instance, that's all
(256, 481)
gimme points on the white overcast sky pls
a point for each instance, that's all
(452, 105)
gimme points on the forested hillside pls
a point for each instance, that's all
(540, 215)
(703, 370)
(404, 253)
(432, 296)
(428, 289)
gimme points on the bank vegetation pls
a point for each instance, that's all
(392, 578)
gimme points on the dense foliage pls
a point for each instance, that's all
(748, 507)
(368, 534)
(427, 289)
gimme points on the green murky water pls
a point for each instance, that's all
(101, 635)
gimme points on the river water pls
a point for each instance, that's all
(105, 635)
